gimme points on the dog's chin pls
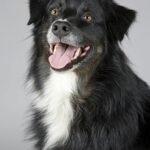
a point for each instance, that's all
(64, 56)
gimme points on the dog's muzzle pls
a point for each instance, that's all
(61, 28)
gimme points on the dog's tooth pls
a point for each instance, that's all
(87, 48)
(51, 48)
(54, 50)
(83, 54)
(77, 53)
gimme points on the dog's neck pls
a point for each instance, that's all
(56, 102)
(61, 89)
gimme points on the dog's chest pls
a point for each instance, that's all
(56, 100)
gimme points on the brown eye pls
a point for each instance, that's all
(54, 12)
(87, 18)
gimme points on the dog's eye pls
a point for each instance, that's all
(87, 18)
(54, 12)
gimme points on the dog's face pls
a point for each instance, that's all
(75, 32)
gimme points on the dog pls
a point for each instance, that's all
(86, 96)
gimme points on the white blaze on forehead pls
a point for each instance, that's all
(56, 100)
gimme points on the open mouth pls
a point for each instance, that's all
(65, 56)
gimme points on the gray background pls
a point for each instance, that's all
(14, 56)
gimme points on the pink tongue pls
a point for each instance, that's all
(62, 56)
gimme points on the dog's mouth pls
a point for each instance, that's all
(64, 56)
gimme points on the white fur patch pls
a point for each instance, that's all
(56, 100)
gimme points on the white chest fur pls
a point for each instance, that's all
(56, 100)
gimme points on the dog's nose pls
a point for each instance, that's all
(61, 28)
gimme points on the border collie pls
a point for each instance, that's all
(86, 97)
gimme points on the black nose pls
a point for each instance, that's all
(61, 28)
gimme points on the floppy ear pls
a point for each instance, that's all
(119, 21)
(36, 11)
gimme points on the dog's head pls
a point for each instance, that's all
(74, 32)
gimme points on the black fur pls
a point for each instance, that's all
(116, 112)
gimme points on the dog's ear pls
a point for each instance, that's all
(36, 11)
(118, 21)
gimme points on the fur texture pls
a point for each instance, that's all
(96, 102)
